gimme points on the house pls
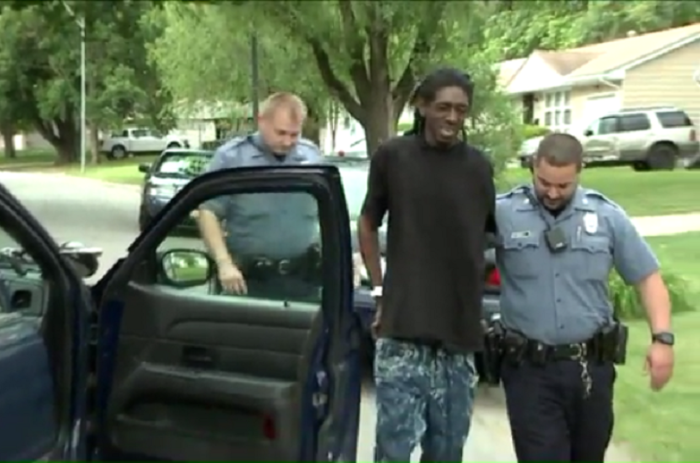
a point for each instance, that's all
(567, 89)
(200, 122)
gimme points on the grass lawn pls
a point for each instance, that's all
(28, 158)
(663, 426)
(122, 171)
(640, 193)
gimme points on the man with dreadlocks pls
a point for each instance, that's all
(439, 194)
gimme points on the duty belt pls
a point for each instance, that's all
(264, 266)
(576, 351)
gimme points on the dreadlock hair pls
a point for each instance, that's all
(428, 88)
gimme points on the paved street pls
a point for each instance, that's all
(105, 216)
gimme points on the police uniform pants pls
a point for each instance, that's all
(424, 395)
(551, 419)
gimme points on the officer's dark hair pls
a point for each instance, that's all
(428, 88)
(560, 150)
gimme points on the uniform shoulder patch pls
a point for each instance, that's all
(306, 143)
(520, 189)
(233, 144)
(597, 195)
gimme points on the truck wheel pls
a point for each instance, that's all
(174, 144)
(117, 152)
(662, 156)
(640, 166)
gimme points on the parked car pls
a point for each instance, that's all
(527, 150)
(135, 141)
(165, 177)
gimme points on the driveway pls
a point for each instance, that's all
(104, 215)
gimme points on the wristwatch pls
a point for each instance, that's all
(376, 292)
(664, 337)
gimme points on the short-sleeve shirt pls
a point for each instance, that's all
(254, 221)
(561, 298)
(439, 202)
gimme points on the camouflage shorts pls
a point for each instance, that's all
(424, 395)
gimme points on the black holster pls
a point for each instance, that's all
(612, 343)
(493, 352)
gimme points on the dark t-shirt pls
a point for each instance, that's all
(440, 202)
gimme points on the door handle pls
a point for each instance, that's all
(198, 357)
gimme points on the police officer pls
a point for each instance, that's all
(429, 301)
(558, 242)
(270, 244)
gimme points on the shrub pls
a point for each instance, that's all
(532, 131)
(627, 305)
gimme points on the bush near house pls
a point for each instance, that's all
(532, 131)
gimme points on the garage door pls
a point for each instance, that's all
(600, 105)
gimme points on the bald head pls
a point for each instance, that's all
(281, 119)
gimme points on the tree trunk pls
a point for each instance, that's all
(379, 121)
(333, 116)
(312, 127)
(8, 138)
(67, 148)
(63, 136)
(94, 143)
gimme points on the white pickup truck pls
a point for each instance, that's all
(136, 141)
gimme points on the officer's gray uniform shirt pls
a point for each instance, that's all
(271, 225)
(561, 298)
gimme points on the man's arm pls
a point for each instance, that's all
(637, 265)
(213, 211)
(373, 210)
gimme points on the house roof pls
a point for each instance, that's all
(508, 69)
(618, 53)
(601, 58)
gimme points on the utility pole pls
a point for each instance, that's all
(80, 22)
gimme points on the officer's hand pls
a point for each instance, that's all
(659, 365)
(377, 319)
(231, 279)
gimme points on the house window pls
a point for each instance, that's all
(557, 110)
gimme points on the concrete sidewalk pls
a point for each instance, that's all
(667, 224)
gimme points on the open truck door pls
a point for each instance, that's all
(186, 373)
(44, 318)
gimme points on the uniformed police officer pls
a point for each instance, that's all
(558, 242)
(270, 247)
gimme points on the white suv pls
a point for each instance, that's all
(645, 138)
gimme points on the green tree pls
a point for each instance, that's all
(40, 60)
(517, 28)
(368, 54)
(204, 57)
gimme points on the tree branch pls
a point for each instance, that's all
(329, 76)
(422, 47)
(355, 49)
(378, 33)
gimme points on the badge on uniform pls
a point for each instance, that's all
(590, 222)
(520, 235)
